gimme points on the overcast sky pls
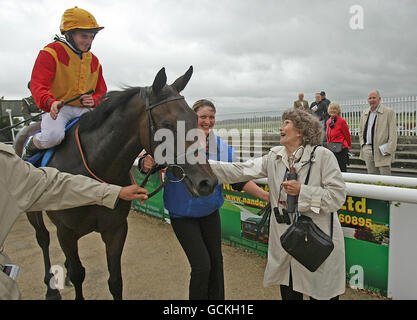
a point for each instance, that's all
(247, 55)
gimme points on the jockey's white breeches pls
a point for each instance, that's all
(53, 131)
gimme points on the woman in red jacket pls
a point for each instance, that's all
(63, 70)
(338, 133)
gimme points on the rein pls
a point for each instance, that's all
(77, 138)
(42, 113)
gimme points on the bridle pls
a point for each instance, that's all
(149, 107)
(152, 130)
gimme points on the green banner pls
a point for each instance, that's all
(240, 221)
(365, 224)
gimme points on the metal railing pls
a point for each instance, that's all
(270, 121)
(267, 121)
(405, 109)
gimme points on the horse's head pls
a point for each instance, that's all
(170, 133)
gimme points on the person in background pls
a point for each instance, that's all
(319, 109)
(338, 132)
(25, 188)
(378, 136)
(301, 103)
(324, 99)
(322, 197)
(196, 221)
(64, 70)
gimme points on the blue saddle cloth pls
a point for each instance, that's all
(42, 158)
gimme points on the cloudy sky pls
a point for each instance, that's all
(247, 55)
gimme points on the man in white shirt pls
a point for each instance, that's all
(378, 136)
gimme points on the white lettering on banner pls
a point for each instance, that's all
(356, 21)
(357, 279)
(58, 280)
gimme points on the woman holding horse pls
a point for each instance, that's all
(196, 221)
(63, 70)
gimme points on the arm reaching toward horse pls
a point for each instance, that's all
(133, 192)
(34, 189)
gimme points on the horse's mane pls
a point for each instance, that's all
(112, 101)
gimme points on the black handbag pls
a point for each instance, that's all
(335, 147)
(305, 241)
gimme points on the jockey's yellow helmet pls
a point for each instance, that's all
(77, 18)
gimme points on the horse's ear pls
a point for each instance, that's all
(159, 82)
(182, 81)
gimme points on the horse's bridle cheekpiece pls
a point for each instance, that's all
(152, 130)
(149, 108)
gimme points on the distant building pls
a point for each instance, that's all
(21, 110)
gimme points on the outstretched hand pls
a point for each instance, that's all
(134, 192)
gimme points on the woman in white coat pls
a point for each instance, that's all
(324, 195)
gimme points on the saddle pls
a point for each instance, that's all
(42, 158)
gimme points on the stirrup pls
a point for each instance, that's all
(29, 150)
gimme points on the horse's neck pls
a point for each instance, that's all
(112, 151)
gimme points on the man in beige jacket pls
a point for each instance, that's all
(26, 188)
(301, 103)
(378, 136)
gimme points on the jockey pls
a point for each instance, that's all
(63, 70)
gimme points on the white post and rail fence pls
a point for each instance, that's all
(269, 121)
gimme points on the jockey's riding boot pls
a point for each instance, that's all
(29, 150)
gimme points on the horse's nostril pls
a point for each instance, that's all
(206, 186)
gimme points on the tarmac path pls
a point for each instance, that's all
(154, 266)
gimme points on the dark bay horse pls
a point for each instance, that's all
(112, 136)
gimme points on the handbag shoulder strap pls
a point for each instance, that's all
(266, 212)
(306, 182)
(310, 162)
